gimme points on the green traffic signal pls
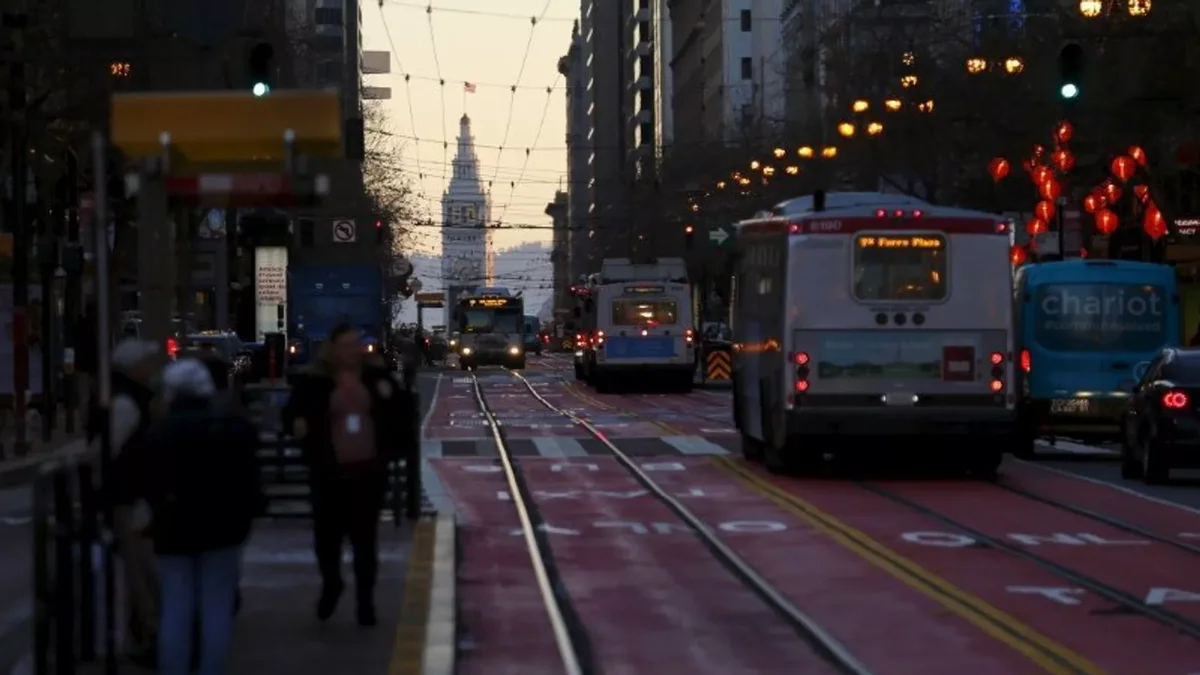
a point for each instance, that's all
(1069, 91)
(261, 89)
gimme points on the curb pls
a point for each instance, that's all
(441, 643)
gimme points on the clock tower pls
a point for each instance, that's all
(467, 260)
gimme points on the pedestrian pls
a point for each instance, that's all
(346, 415)
(134, 371)
(202, 484)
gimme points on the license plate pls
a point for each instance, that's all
(1070, 406)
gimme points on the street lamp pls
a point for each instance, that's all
(1138, 8)
(829, 152)
(1091, 8)
(874, 129)
(976, 65)
(908, 81)
(926, 107)
(860, 106)
(1014, 65)
(892, 104)
(754, 165)
(805, 152)
(792, 170)
(846, 129)
(779, 153)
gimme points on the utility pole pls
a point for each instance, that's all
(16, 22)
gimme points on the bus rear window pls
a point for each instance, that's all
(900, 267)
(1100, 317)
(640, 312)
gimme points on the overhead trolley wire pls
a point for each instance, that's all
(525, 164)
(437, 64)
(512, 101)
(412, 117)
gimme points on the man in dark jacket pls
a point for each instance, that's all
(202, 484)
(349, 418)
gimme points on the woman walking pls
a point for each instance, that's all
(345, 414)
(202, 484)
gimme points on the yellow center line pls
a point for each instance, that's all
(408, 647)
(1053, 657)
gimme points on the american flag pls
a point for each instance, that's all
(468, 87)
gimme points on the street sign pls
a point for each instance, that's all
(432, 300)
(721, 234)
(228, 126)
(344, 231)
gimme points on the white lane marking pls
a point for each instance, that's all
(694, 445)
(1113, 486)
(548, 446)
(437, 388)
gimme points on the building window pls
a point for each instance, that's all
(747, 68)
(455, 214)
(646, 66)
(746, 21)
(328, 16)
(470, 217)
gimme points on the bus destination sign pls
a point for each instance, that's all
(491, 302)
(644, 289)
(922, 241)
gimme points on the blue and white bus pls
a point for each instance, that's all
(1086, 329)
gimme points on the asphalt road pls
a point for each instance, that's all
(1184, 488)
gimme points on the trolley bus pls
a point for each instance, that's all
(491, 329)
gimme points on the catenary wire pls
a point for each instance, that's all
(437, 64)
(536, 137)
(512, 100)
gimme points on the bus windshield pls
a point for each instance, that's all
(1100, 317)
(642, 311)
(484, 320)
(904, 267)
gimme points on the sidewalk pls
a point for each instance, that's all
(16, 470)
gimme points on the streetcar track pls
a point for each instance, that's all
(572, 387)
(1100, 588)
(553, 588)
(1102, 518)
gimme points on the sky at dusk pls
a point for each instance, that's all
(483, 42)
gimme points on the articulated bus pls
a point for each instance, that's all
(491, 329)
(874, 316)
(1086, 330)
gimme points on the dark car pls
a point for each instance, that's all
(1160, 429)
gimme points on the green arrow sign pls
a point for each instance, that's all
(721, 235)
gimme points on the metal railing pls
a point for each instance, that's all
(69, 529)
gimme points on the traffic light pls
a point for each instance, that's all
(689, 232)
(1070, 68)
(260, 67)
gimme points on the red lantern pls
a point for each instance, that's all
(1063, 160)
(1029, 165)
(1049, 189)
(1142, 193)
(1137, 154)
(1064, 132)
(1041, 174)
(998, 169)
(1111, 192)
(1018, 255)
(1106, 222)
(1093, 203)
(1153, 222)
(1044, 211)
(1036, 226)
(1123, 168)
(1039, 151)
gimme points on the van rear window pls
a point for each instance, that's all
(906, 267)
(1100, 317)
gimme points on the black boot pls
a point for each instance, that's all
(328, 602)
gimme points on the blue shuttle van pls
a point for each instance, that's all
(1086, 329)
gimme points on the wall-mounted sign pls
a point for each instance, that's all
(270, 282)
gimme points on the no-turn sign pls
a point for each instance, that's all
(344, 232)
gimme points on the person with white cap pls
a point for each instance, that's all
(201, 480)
(134, 370)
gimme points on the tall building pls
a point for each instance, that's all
(468, 258)
(559, 210)
(728, 69)
(572, 66)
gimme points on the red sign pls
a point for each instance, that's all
(958, 364)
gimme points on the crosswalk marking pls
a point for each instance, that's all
(559, 447)
(694, 445)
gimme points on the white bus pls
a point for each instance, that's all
(873, 317)
(638, 320)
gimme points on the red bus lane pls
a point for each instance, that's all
(1123, 504)
(1084, 624)
(883, 622)
(499, 605)
(652, 597)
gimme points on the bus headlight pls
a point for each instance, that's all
(514, 350)
(454, 343)
(466, 351)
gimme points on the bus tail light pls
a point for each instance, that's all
(801, 386)
(689, 335)
(997, 386)
(599, 339)
(1026, 361)
(801, 360)
(997, 361)
(1175, 400)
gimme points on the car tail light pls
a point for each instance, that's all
(172, 347)
(1175, 400)
(1026, 361)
